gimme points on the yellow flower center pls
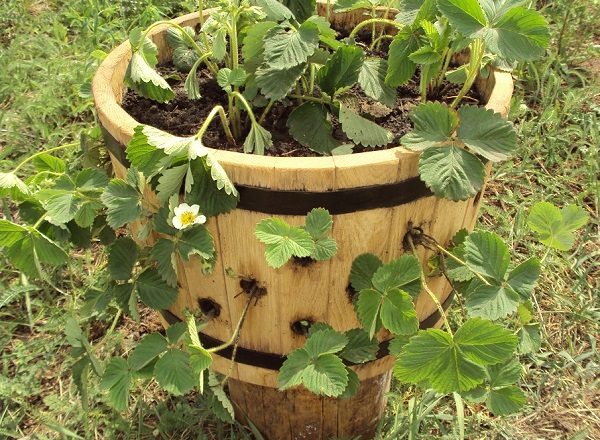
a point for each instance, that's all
(187, 218)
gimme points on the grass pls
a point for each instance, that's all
(47, 52)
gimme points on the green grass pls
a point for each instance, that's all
(46, 47)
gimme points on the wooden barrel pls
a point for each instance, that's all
(372, 196)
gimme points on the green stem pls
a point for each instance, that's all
(51, 150)
(308, 98)
(328, 12)
(377, 42)
(448, 54)
(381, 38)
(476, 55)
(266, 112)
(39, 221)
(373, 27)
(238, 327)
(362, 24)
(241, 98)
(221, 112)
(313, 74)
(459, 261)
(434, 298)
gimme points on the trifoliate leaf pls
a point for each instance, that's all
(153, 291)
(174, 145)
(341, 71)
(425, 55)
(318, 223)
(492, 302)
(142, 78)
(149, 348)
(464, 15)
(487, 254)
(117, 380)
(398, 313)
(507, 373)
(451, 172)
(363, 268)
(523, 278)
(309, 125)
(228, 78)
(147, 47)
(372, 80)
(143, 156)
(368, 307)
(433, 122)
(456, 271)
(219, 44)
(400, 67)
(163, 252)
(397, 345)
(555, 228)
(326, 376)
(62, 208)
(258, 140)
(196, 241)
(362, 131)
(290, 373)
(123, 203)
(47, 162)
(288, 48)
(454, 364)
(275, 84)
(254, 46)
(505, 401)
(403, 273)
(122, 256)
(214, 201)
(530, 340)
(486, 133)
(173, 372)
(283, 241)
(360, 347)
(91, 179)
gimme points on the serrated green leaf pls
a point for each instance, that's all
(368, 307)
(525, 312)
(425, 55)
(318, 223)
(176, 331)
(326, 341)
(219, 175)
(326, 376)
(283, 241)
(403, 273)
(523, 278)
(145, 157)
(122, 256)
(451, 172)
(184, 58)
(466, 16)
(530, 340)
(400, 67)
(353, 385)
(275, 10)
(363, 268)
(62, 208)
(123, 203)
(487, 254)
(325, 248)
(149, 348)
(219, 44)
(153, 291)
(362, 131)
(484, 342)
(507, 373)
(174, 145)
(398, 313)
(163, 252)
(142, 78)
(221, 405)
(191, 85)
(342, 70)
(309, 125)
(117, 380)
(486, 133)
(214, 201)
(397, 344)
(47, 162)
(173, 372)
(228, 78)
(258, 140)
(275, 84)
(253, 46)
(372, 80)
(176, 38)
(302, 9)
(147, 48)
(284, 49)
(170, 182)
(492, 302)
(196, 241)
(290, 373)
(10, 180)
(505, 401)
(433, 122)
(360, 348)
(555, 228)
(91, 179)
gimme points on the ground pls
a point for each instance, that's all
(49, 50)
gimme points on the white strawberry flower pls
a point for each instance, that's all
(186, 215)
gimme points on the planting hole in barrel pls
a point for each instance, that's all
(302, 326)
(303, 261)
(252, 287)
(351, 292)
(209, 308)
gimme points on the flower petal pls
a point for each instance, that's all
(177, 223)
(183, 207)
(200, 220)
(194, 209)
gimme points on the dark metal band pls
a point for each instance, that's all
(273, 361)
(340, 201)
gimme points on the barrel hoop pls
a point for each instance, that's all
(273, 361)
(299, 202)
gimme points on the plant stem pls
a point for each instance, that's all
(241, 98)
(448, 53)
(308, 98)
(39, 221)
(459, 261)
(266, 111)
(376, 42)
(328, 12)
(477, 50)
(27, 159)
(238, 327)
(434, 298)
(362, 24)
(221, 112)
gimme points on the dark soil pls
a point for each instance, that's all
(183, 117)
